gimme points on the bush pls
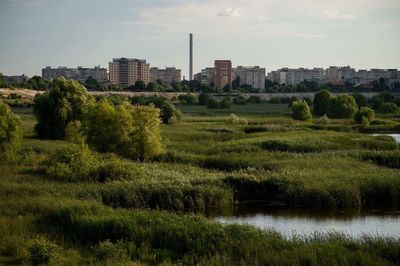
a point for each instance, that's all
(43, 251)
(364, 112)
(254, 99)
(301, 111)
(10, 132)
(67, 101)
(203, 99)
(106, 250)
(239, 100)
(76, 163)
(170, 114)
(323, 120)
(73, 132)
(235, 120)
(225, 103)
(389, 108)
(342, 106)
(188, 99)
(212, 103)
(361, 100)
(320, 102)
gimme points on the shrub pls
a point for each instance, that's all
(239, 100)
(67, 101)
(188, 99)
(106, 250)
(254, 99)
(361, 100)
(235, 120)
(203, 99)
(301, 111)
(323, 120)
(225, 103)
(389, 108)
(364, 112)
(170, 114)
(73, 132)
(320, 102)
(76, 163)
(342, 106)
(10, 132)
(212, 103)
(138, 100)
(43, 251)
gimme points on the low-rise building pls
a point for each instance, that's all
(15, 79)
(80, 73)
(250, 75)
(166, 76)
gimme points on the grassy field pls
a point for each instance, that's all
(153, 212)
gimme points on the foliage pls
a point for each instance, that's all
(189, 99)
(321, 102)
(323, 120)
(239, 100)
(212, 103)
(170, 114)
(301, 111)
(225, 103)
(361, 100)
(342, 106)
(10, 132)
(203, 98)
(236, 120)
(73, 132)
(108, 251)
(67, 101)
(364, 112)
(389, 108)
(43, 251)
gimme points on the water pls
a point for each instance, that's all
(395, 136)
(291, 222)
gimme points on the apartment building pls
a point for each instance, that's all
(250, 75)
(223, 73)
(15, 79)
(296, 76)
(207, 76)
(80, 74)
(166, 76)
(126, 71)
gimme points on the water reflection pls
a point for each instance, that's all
(305, 222)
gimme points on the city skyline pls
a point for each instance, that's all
(272, 34)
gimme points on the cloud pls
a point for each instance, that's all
(230, 12)
(335, 14)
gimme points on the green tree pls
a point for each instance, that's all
(131, 131)
(361, 100)
(342, 106)
(10, 132)
(203, 98)
(225, 103)
(139, 85)
(301, 111)
(107, 127)
(389, 108)
(67, 101)
(320, 102)
(364, 113)
(212, 103)
(170, 114)
(145, 139)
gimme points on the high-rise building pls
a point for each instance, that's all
(207, 76)
(166, 76)
(253, 76)
(223, 73)
(290, 76)
(80, 74)
(126, 71)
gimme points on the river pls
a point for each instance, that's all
(305, 222)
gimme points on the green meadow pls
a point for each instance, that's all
(154, 213)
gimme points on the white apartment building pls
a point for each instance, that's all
(166, 76)
(250, 75)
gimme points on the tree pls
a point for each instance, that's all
(170, 114)
(132, 131)
(389, 108)
(92, 84)
(212, 103)
(10, 133)
(145, 139)
(107, 127)
(203, 98)
(364, 113)
(301, 110)
(139, 85)
(361, 100)
(320, 102)
(188, 99)
(67, 101)
(342, 106)
(225, 103)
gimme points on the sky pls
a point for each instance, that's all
(270, 33)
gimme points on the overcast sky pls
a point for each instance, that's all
(269, 33)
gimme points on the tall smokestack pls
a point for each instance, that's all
(190, 56)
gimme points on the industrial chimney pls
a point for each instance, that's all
(190, 56)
